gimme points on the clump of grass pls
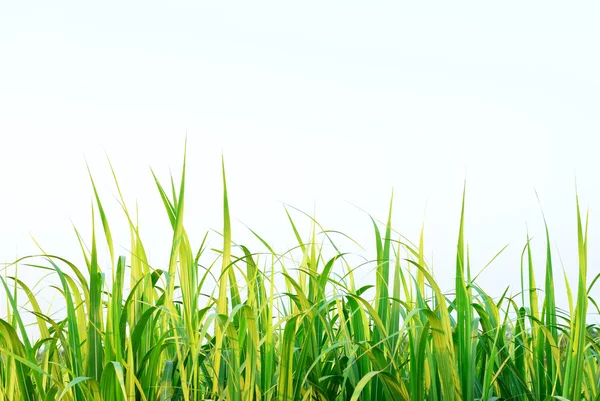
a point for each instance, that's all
(254, 325)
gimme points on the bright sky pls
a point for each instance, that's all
(330, 104)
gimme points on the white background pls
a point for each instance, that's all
(330, 104)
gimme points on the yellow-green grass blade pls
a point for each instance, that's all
(105, 225)
(464, 318)
(223, 282)
(114, 336)
(112, 384)
(550, 321)
(94, 348)
(285, 380)
(19, 371)
(575, 354)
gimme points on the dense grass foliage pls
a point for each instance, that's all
(262, 325)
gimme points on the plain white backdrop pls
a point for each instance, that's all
(321, 105)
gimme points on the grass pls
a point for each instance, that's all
(256, 325)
